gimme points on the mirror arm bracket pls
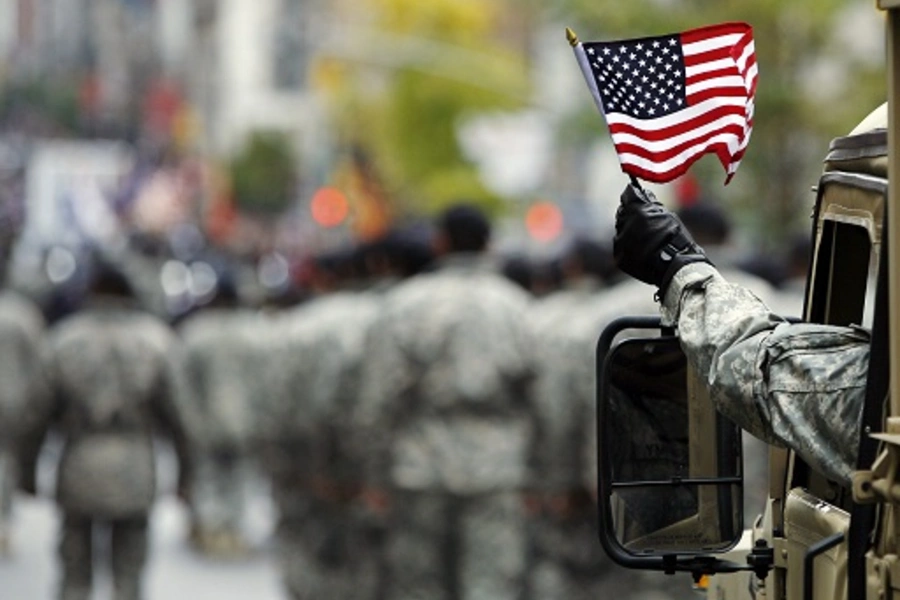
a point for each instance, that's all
(880, 482)
(761, 558)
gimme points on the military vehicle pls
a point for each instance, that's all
(670, 489)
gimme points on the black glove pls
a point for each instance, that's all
(651, 243)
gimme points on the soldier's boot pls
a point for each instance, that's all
(75, 552)
(73, 591)
(129, 555)
(129, 589)
(199, 538)
(5, 542)
(209, 542)
(234, 544)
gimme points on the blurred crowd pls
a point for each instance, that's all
(421, 408)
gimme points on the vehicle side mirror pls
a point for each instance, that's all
(670, 480)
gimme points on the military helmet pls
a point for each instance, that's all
(864, 149)
(877, 119)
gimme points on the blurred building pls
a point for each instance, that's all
(246, 69)
(105, 49)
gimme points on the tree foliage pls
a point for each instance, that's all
(263, 174)
(449, 63)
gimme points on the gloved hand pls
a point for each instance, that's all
(651, 243)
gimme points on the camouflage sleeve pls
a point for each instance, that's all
(38, 416)
(384, 378)
(173, 410)
(801, 386)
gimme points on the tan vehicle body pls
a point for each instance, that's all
(807, 519)
(815, 539)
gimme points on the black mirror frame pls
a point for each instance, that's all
(698, 564)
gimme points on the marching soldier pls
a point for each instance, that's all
(110, 392)
(446, 414)
(219, 388)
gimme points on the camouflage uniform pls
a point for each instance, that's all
(632, 297)
(324, 550)
(568, 456)
(219, 389)
(766, 374)
(109, 383)
(565, 555)
(447, 415)
(21, 328)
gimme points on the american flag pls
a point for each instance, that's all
(670, 99)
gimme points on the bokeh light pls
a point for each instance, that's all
(544, 221)
(329, 207)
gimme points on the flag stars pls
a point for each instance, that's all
(635, 77)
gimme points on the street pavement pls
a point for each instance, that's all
(174, 571)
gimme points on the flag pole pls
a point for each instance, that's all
(592, 85)
(584, 63)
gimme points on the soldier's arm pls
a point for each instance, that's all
(797, 385)
(172, 411)
(42, 409)
(384, 378)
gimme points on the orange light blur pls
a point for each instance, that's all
(329, 207)
(544, 221)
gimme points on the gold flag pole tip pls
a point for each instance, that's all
(570, 35)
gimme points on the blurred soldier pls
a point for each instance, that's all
(710, 225)
(21, 329)
(581, 571)
(567, 561)
(109, 388)
(330, 543)
(219, 390)
(447, 414)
